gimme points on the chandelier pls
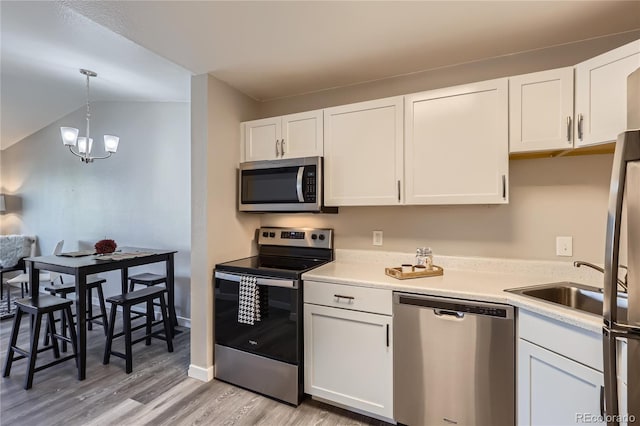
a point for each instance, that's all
(85, 143)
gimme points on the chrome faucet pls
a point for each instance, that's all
(621, 283)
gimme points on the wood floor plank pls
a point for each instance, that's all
(157, 392)
(119, 414)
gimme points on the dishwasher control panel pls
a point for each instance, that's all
(450, 307)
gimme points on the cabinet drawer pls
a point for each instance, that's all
(349, 297)
(565, 339)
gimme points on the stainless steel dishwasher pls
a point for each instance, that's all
(454, 361)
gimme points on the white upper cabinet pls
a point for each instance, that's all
(601, 95)
(541, 111)
(456, 145)
(363, 153)
(289, 136)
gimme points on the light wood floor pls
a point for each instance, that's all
(158, 392)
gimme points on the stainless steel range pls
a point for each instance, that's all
(258, 311)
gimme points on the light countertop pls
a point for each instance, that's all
(462, 279)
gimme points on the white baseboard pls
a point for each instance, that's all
(199, 373)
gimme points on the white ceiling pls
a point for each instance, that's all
(43, 46)
(266, 49)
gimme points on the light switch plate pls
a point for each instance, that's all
(564, 246)
(377, 238)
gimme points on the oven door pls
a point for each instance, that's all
(279, 332)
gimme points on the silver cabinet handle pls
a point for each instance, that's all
(339, 296)
(277, 150)
(387, 335)
(282, 147)
(504, 187)
(580, 118)
(569, 129)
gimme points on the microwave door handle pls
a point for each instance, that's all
(299, 184)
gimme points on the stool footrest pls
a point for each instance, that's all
(52, 363)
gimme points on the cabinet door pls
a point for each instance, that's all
(554, 390)
(541, 111)
(601, 94)
(348, 358)
(302, 135)
(363, 153)
(456, 145)
(260, 138)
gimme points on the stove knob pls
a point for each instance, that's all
(272, 234)
(265, 234)
(321, 237)
(314, 237)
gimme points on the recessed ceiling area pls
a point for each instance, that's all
(148, 50)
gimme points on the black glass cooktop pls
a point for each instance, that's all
(272, 266)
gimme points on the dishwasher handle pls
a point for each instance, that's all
(443, 312)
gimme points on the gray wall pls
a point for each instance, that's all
(219, 232)
(548, 197)
(139, 197)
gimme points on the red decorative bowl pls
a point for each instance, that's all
(105, 246)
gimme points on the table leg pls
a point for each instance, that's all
(171, 291)
(124, 279)
(34, 279)
(81, 322)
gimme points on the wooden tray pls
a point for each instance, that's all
(397, 273)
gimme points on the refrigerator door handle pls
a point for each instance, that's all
(610, 393)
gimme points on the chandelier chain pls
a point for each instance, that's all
(88, 111)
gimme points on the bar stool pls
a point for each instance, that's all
(46, 305)
(127, 300)
(147, 279)
(63, 290)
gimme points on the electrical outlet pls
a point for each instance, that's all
(564, 246)
(377, 238)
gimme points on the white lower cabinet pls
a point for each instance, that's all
(348, 358)
(554, 390)
(559, 373)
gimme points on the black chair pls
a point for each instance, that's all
(46, 305)
(63, 290)
(127, 300)
(20, 266)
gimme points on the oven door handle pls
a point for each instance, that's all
(270, 282)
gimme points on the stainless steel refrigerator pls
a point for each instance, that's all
(623, 240)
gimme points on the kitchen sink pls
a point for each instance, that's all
(572, 295)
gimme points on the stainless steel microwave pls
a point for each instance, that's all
(292, 185)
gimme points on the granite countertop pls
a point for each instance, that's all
(465, 278)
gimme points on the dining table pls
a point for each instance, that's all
(82, 264)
